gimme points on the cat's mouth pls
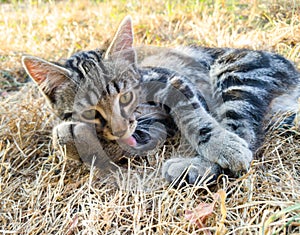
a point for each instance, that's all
(131, 141)
(139, 137)
(129, 138)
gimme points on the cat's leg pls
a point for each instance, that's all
(213, 142)
(217, 148)
(80, 142)
(153, 127)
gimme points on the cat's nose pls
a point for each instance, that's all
(119, 133)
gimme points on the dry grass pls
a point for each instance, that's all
(41, 193)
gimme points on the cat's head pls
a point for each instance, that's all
(94, 86)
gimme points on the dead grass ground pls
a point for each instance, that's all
(42, 193)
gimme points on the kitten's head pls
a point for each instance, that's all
(94, 86)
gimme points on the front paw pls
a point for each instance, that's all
(229, 151)
(81, 142)
(192, 170)
(63, 139)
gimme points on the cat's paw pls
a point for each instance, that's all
(81, 143)
(191, 170)
(229, 151)
(63, 139)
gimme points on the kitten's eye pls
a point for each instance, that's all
(126, 98)
(89, 114)
(93, 116)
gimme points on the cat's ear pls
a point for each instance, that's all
(122, 44)
(48, 76)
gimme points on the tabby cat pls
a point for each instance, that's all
(217, 98)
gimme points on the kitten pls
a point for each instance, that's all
(217, 98)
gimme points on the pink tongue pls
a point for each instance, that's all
(129, 141)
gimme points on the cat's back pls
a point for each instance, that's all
(229, 69)
(189, 61)
(195, 61)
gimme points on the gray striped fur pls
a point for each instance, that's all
(218, 99)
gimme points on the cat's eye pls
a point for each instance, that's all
(89, 114)
(126, 98)
(92, 115)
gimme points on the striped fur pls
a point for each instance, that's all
(217, 98)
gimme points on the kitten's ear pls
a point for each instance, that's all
(122, 44)
(48, 76)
